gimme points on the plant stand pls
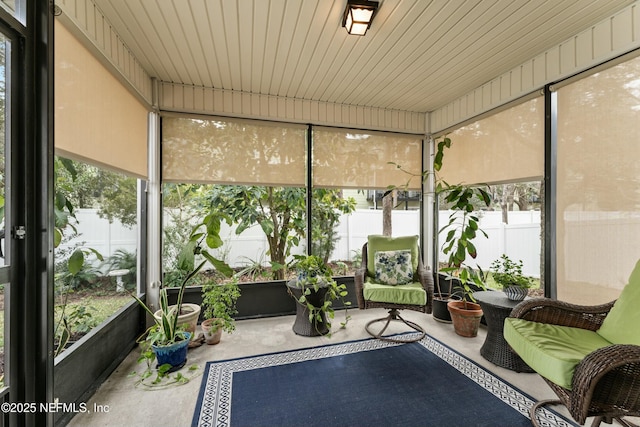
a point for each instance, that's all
(496, 308)
(302, 325)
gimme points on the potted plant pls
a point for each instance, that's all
(466, 314)
(219, 305)
(207, 231)
(508, 274)
(167, 337)
(461, 229)
(187, 317)
(314, 290)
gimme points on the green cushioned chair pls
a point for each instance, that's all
(392, 276)
(589, 355)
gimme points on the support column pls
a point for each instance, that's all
(30, 358)
(309, 187)
(429, 214)
(549, 182)
(154, 211)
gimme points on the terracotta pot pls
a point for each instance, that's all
(465, 320)
(211, 336)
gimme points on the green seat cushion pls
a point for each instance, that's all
(411, 293)
(377, 243)
(552, 351)
(621, 324)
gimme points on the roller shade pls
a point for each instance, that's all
(598, 187)
(358, 159)
(97, 120)
(224, 151)
(505, 147)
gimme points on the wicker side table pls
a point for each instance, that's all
(497, 307)
(302, 325)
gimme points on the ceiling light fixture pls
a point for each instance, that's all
(358, 16)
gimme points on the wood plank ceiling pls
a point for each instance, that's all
(417, 56)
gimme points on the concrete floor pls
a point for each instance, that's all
(126, 405)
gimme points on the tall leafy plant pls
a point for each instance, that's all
(462, 226)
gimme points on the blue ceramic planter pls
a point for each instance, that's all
(174, 354)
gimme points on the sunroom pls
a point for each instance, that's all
(127, 122)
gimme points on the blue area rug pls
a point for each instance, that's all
(362, 383)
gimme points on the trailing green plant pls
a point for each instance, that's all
(313, 274)
(219, 303)
(160, 378)
(506, 272)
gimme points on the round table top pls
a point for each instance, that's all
(495, 298)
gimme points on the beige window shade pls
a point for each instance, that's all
(220, 151)
(598, 189)
(97, 120)
(358, 159)
(507, 146)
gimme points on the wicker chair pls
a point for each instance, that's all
(422, 282)
(606, 383)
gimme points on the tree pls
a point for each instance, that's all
(510, 195)
(280, 212)
(328, 205)
(388, 201)
(86, 186)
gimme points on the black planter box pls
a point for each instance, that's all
(82, 368)
(265, 299)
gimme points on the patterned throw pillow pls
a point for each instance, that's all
(393, 267)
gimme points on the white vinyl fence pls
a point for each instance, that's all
(520, 239)
(97, 233)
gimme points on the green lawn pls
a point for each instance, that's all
(99, 308)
